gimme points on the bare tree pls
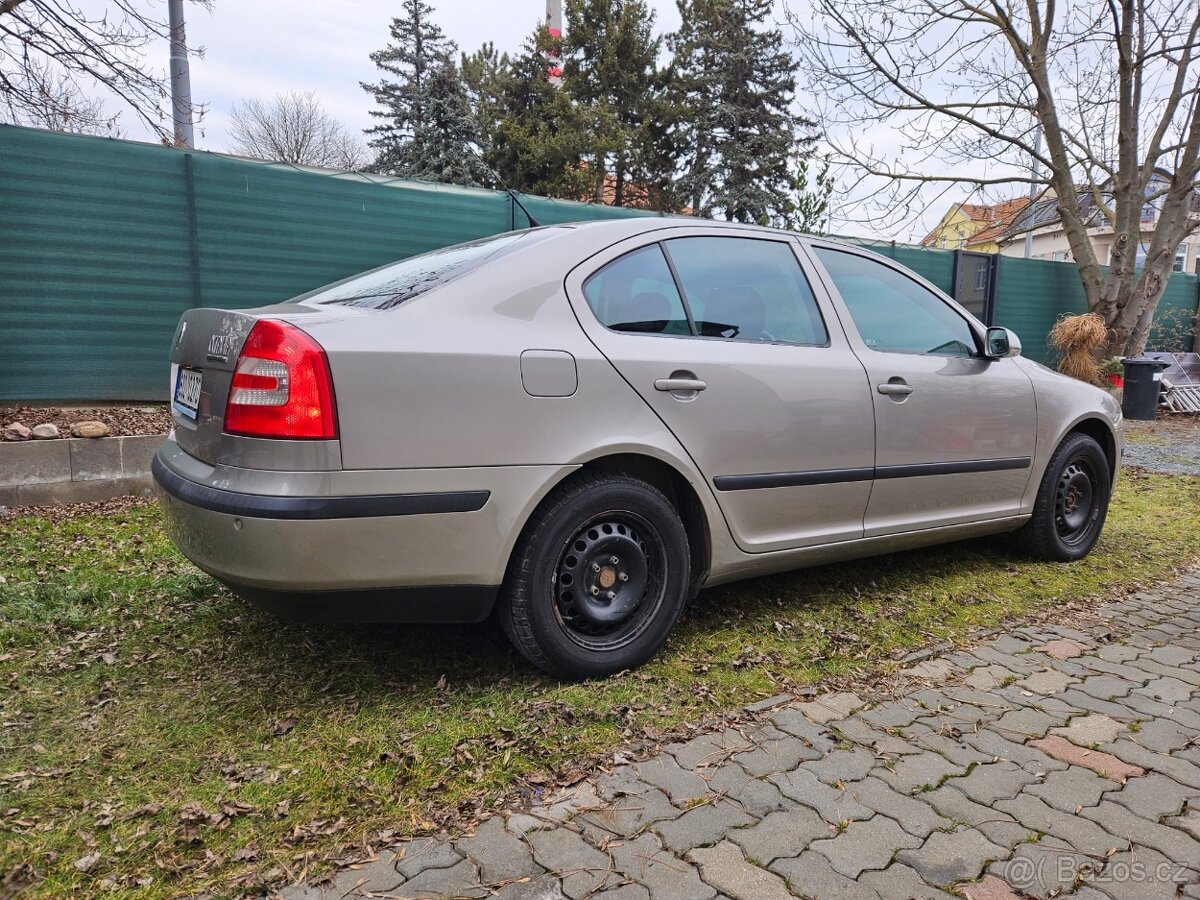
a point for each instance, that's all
(57, 62)
(294, 127)
(967, 85)
(62, 107)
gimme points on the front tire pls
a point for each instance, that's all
(598, 578)
(1072, 503)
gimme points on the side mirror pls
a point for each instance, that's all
(1002, 343)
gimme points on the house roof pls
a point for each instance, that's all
(1000, 218)
(1045, 209)
(996, 219)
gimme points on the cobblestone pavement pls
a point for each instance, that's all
(1045, 761)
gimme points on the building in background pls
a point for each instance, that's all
(975, 226)
(1050, 242)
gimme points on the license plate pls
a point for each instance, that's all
(186, 398)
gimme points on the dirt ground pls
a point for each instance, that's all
(121, 420)
(1170, 443)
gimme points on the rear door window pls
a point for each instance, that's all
(747, 289)
(636, 293)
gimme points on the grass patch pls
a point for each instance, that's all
(164, 736)
(1145, 436)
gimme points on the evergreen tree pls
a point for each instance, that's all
(427, 129)
(539, 137)
(445, 141)
(814, 191)
(740, 136)
(610, 55)
(484, 74)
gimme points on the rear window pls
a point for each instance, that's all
(393, 284)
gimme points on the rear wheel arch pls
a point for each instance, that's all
(679, 490)
(672, 483)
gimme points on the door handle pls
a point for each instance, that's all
(896, 388)
(679, 384)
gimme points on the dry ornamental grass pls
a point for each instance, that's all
(1077, 338)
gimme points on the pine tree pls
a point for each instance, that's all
(484, 74)
(540, 135)
(610, 54)
(426, 127)
(741, 137)
(814, 192)
(695, 87)
(445, 141)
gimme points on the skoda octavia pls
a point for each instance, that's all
(578, 427)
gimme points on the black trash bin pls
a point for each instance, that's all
(1143, 381)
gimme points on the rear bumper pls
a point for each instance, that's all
(267, 506)
(396, 545)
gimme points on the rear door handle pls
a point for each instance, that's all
(895, 388)
(679, 384)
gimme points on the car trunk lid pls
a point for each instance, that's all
(204, 355)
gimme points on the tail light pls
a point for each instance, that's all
(281, 386)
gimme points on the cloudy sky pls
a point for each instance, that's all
(257, 48)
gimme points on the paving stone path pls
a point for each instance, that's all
(1046, 761)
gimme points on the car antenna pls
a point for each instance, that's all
(533, 223)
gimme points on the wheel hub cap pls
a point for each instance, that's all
(602, 578)
(1074, 499)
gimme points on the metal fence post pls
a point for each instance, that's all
(993, 291)
(189, 187)
(1196, 321)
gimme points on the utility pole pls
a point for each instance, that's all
(1033, 189)
(181, 79)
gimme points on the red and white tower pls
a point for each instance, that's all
(554, 27)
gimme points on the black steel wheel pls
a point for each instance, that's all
(610, 580)
(598, 578)
(1072, 502)
(1075, 508)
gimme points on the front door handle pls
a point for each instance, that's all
(896, 388)
(679, 384)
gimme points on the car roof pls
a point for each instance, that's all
(613, 230)
(635, 225)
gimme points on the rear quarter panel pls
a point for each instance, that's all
(436, 383)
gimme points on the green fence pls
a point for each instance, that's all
(1032, 293)
(937, 266)
(104, 243)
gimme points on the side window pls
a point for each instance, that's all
(747, 289)
(892, 312)
(636, 293)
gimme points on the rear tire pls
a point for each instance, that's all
(1072, 503)
(598, 578)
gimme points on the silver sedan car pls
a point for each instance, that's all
(578, 427)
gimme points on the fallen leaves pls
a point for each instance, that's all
(17, 879)
(222, 750)
(310, 831)
(86, 863)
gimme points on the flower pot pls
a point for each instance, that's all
(1115, 379)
